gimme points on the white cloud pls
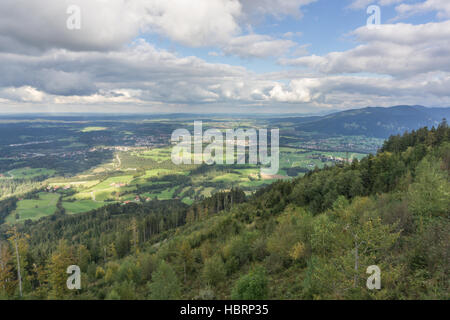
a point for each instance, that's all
(22, 94)
(27, 26)
(260, 46)
(103, 65)
(208, 22)
(396, 49)
(34, 26)
(275, 8)
(299, 90)
(442, 7)
(144, 76)
(362, 4)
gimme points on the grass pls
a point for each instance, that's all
(229, 177)
(93, 194)
(158, 155)
(77, 184)
(109, 184)
(187, 201)
(92, 129)
(165, 194)
(256, 183)
(34, 208)
(81, 206)
(29, 173)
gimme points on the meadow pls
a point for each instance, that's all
(33, 209)
(140, 169)
(28, 173)
(144, 174)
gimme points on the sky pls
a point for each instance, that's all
(222, 56)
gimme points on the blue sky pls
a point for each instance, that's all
(259, 56)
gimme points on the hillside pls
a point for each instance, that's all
(374, 122)
(309, 238)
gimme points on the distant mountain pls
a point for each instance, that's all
(374, 122)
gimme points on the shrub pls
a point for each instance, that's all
(252, 286)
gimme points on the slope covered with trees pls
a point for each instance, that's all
(308, 238)
(374, 122)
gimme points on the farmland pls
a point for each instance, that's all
(43, 205)
(78, 165)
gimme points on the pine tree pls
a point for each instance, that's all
(19, 244)
(165, 284)
(60, 260)
(7, 282)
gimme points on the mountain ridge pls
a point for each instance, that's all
(376, 122)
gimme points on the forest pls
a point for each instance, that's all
(311, 237)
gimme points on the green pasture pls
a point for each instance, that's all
(92, 129)
(81, 206)
(35, 208)
(29, 173)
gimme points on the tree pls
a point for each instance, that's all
(6, 271)
(252, 286)
(20, 245)
(60, 260)
(214, 271)
(345, 247)
(186, 256)
(429, 194)
(165, 284)
(135, 235)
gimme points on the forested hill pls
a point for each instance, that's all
(308, 238)
(374, 122)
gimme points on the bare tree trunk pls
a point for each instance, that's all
(18, 267)
(145, 227)
(1, 260)
(356, 265)
(2, 266)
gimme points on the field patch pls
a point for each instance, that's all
(158, 155)
(112, 183)
(81, 206)
(34, 209)
(29, 173)
(93, 129)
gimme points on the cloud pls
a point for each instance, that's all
(362, 4)
(277, 8)
(34, 26)
(396, 49)
(145, 73)
(442, 7)
(144, 76)
(258, 46)
(299, 90)
(22, 94)
(208, 22)
(107, 65)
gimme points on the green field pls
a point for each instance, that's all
(29, 173)
(93, 129)
(35, 208)
(159, 155)
(153, 174)
(81, 206)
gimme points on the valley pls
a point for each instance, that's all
(96, 162)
